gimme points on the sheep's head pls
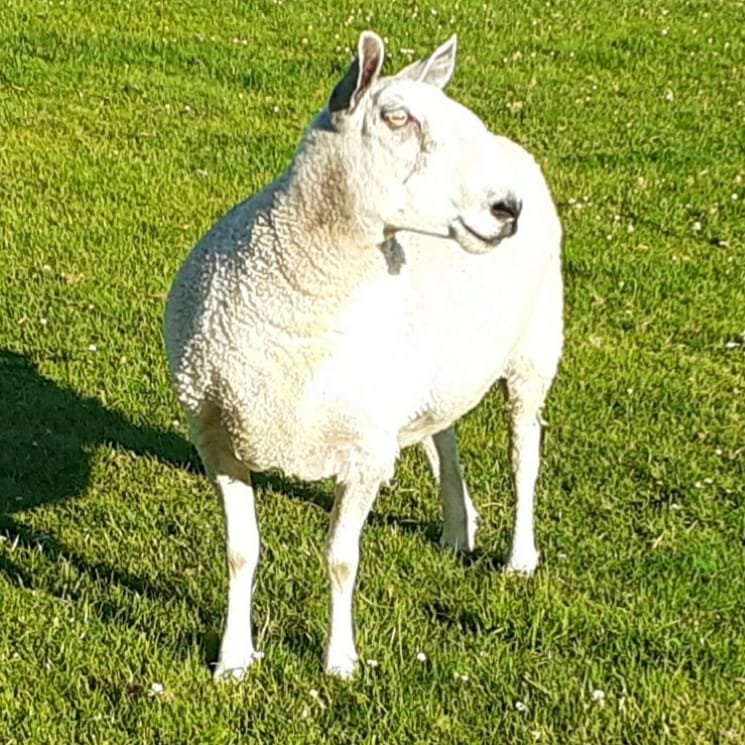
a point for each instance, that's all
(418, 160)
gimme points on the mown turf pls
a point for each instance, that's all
(126, 129)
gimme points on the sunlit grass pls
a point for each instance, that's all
(126, 129)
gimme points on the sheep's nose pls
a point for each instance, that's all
(507, 211)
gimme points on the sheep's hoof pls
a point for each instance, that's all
(523, 565)
(228, 672)
(343, 669)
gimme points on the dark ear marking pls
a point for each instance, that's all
(361, 74)
(341, 97)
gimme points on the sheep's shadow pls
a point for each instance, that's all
(46, 444)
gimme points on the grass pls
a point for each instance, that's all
(127, 129)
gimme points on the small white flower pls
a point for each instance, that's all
(521, 707)
(461, 677)
(421, 657)
(371, 663)
(92, 348)
(598, 696)
(697, 226)
(316, 696)
(156, 689)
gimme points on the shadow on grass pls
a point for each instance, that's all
(45, 451)
(43, 456)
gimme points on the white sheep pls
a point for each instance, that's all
(332, 319)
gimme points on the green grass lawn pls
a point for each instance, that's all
(126, 129)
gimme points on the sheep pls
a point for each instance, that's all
(362, 303)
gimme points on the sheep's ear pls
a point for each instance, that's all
(361, 75)
(437, 69)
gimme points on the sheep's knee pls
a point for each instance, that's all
(238, 561)
(340, 573)
(341, 562)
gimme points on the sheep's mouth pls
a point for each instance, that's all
(490, 241)
(472, 240)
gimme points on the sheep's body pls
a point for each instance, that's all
(310, 351)
(297, 345)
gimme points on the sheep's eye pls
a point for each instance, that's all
(396, 118)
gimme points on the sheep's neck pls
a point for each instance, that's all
(320, 242)
(310, 251)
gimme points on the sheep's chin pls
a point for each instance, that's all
(471, 241)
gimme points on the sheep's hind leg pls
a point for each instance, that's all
(525, 399)
(460, 519)
(351, 507)
(232, 480)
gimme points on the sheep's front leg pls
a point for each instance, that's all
(459, 515)
(525, 400)
(237, 651)
(351, 507)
